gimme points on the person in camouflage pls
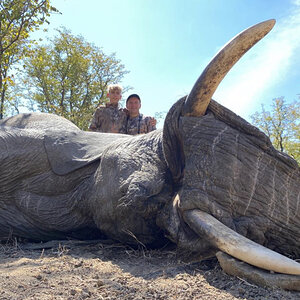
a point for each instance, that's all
(137, 123)
(110, 117)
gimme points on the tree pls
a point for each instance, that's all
(160, 116)
(17, 19)
(69, 77)
(281, 124)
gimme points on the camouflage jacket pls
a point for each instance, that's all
(109, 118)
(139, 124)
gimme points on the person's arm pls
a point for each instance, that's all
(151, 124)
(96, 121)
(126, 111)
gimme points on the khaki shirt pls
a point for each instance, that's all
(139, 124)
(109, 118)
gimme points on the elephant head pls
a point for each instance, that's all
(234, 189)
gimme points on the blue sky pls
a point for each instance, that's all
(165, 44)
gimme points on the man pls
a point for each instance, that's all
(109, 117)
(137, 123)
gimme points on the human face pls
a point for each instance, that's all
(114, 96)
(133, 105)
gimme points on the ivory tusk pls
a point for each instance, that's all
(238, 246)
(204, 88)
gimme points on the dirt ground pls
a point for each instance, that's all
(106, 270)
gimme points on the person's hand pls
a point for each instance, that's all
(153, 122)
(126, 111)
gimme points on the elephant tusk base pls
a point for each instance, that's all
(237, 245)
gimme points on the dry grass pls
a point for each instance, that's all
(101, 270)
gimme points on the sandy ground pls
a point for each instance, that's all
(106, 270)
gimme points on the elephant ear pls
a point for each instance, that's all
(69, 151)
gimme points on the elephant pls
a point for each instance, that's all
(209, 181)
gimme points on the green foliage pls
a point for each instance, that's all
(18, 18)
(282, 126)
(69, 77)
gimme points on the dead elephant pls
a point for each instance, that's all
(208, 181)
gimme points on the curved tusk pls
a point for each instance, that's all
(239, 246)
(204, 88)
